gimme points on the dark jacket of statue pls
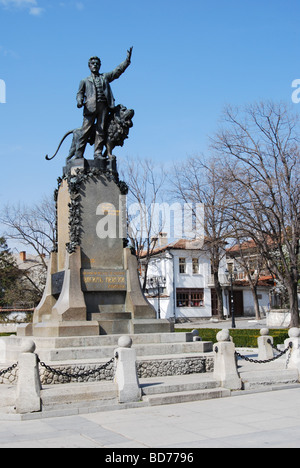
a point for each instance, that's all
(87, 91)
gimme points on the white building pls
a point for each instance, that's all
(183, 270)
(181, 287)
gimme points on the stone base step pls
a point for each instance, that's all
(173, 384)
(110, 340)
(7, 398)
(99, 340)
(103, 323)
(55, 349)
(149, 326)
(102, 347)
(107, 352)
(155, 391)
(269, 378)
(56, 397)
(76, 398)
(186, 396)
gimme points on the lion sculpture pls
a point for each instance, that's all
(118, 124)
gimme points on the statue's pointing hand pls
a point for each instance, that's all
(129, 52)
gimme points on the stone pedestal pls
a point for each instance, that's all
(279, 318)
(28, 398)
(265, 342)
(92, 283)
(126, 372)
(293, 359)
(225, 367)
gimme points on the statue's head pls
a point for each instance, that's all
(94, 64)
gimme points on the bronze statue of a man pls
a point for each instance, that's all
(96, 97)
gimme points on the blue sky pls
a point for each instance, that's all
(190, 58)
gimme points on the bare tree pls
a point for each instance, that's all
(146, 181)
(247, 256)
(259, 148)
(196, 181)
(32, 226)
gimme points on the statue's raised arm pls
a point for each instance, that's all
(129, 53)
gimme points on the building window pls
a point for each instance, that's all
(195, 266)
(197, 297)
(190, 297)
(182, 299)
(182, 265)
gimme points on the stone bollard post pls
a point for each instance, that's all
(28, 395)
(264, 342)
(196, 336)
(225, 367)
(293, 359)
(126, 372)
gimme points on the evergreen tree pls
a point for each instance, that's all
(9, 272)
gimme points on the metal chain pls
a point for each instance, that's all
(289, 355)
(288, 358)
(87, 373)
(61, 373)
(9, 369)
(256, 361)
(78, 374)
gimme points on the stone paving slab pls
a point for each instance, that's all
(240, 322)
(263, 420)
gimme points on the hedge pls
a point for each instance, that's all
(242, 338)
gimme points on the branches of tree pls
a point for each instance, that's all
(32, 226)
(246, 255)
(260, 155)
(146, 182)
(250, 186)
(196, 181)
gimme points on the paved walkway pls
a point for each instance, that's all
(245, 323)
(257, 420)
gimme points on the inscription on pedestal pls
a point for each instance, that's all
(102, 236)
(103, 280)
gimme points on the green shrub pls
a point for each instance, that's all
(242, 338)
